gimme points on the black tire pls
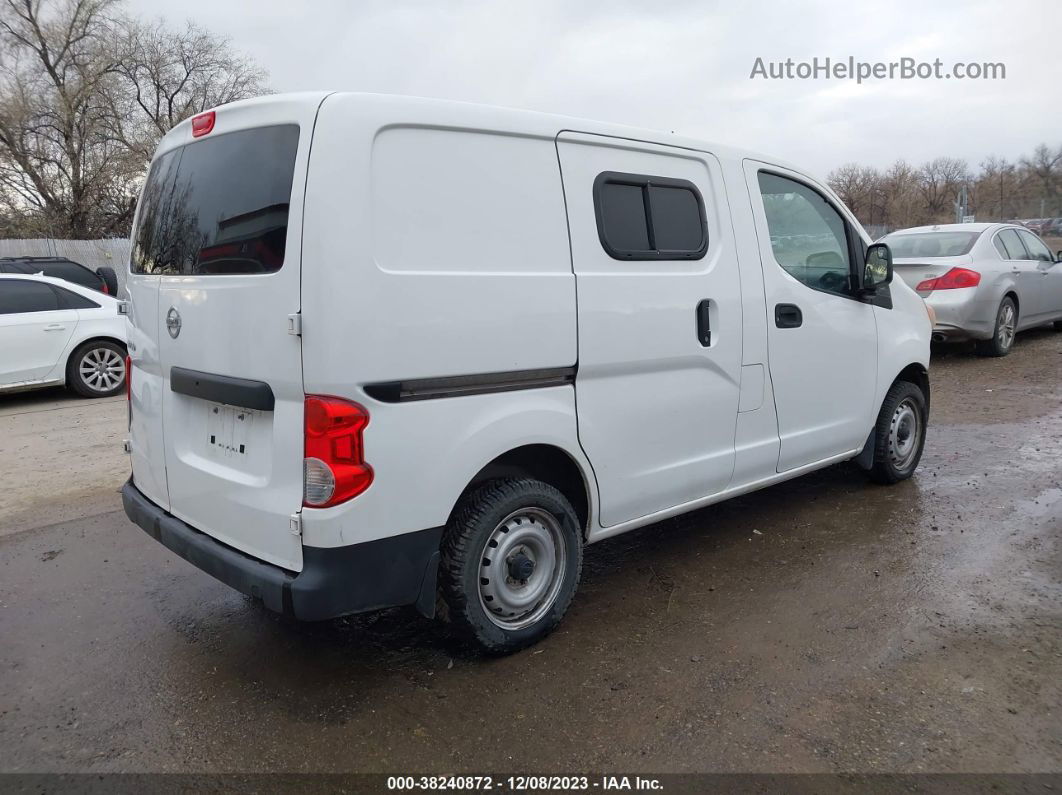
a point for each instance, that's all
(94, 352)
(892, 461)
(467, 568)
(1002, 342)
(1058, 325)
(110, 278)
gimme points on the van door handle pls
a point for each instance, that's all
(704, 323)
(54, 327)
(788, 316)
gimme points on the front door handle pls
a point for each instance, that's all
(788, 316)
(704, 323)
(54, 327)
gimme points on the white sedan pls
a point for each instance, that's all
(56, 332)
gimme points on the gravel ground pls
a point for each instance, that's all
(822, 625)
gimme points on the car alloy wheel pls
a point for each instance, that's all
(101, 369)
(1006, 325)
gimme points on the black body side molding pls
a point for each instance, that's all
(458, 385)
(241, 392)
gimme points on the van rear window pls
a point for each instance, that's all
(218, 206)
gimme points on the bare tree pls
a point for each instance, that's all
(863, 190)
(995, 188)
(1045, 167)
(174, 74)
(902, 201)
(939, 181)
(85, 95)
(55, 154)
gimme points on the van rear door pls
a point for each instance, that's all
(224, 237)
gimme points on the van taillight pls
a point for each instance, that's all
(952, 280)
(128, 378)
(334, 468)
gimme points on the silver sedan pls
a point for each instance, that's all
(985, 282)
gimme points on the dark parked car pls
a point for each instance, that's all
(103, 278)
(1052, 227)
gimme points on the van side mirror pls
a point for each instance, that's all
(877, 267)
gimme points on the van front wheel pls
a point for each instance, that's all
(900, 433)
(511, 559)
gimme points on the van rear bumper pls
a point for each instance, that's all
(334, 581)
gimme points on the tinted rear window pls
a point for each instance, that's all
(71, 300)
(931, 244)
(218, 206)
(73, 272)
(17, 296)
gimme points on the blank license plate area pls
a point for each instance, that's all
(229, 431)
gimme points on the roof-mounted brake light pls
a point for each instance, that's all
(202, 124)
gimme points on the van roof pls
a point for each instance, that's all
(465, 114)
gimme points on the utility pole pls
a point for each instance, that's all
(960, 204)
(1001, 218)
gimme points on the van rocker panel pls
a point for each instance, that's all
(336, 581)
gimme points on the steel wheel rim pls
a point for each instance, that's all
(102, 369)
(512, 603)
(905, 431)
(1006, 326)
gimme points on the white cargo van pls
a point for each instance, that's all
(386, 349)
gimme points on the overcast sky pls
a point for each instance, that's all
(682, 65)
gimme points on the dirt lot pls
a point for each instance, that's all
(60, 457)
(822, 625)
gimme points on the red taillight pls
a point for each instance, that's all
(334, 468)
(128, 378)
(202, 124)
(952, 280)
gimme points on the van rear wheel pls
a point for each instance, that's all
(900, 433)
(511, 560)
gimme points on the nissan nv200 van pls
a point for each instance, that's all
(391, 351)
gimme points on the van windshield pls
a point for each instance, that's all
(218, 206)
(931, 244)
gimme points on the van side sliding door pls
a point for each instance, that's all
(659, 321)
